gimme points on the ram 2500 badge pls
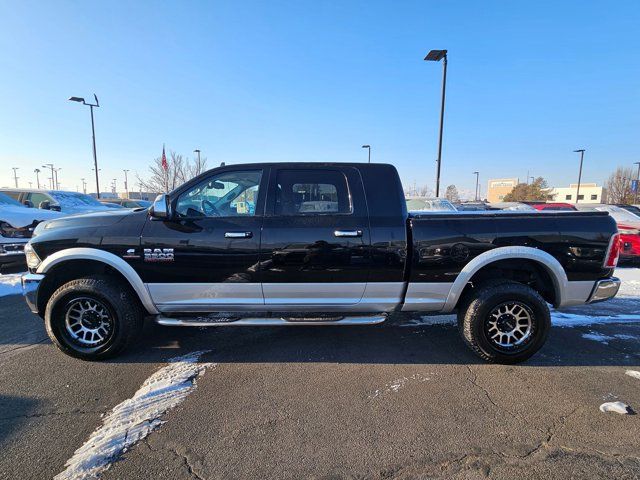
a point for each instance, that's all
(312, 244)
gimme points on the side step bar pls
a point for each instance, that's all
(268, 321)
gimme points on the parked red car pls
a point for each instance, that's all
(555, 206)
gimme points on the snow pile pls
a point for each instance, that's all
(616, 407)
(135, 418)
(599, 337)
(10, 284)
(633, 373)
(427, 320)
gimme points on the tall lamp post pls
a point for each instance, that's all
(93, 133)
(84, 186)
(477, 174)
(581, 152)
(50, 165)
(15, 175)
(37, 172)
(126, 183)
(436, 56)
(55, 171)
(368, 147)
(635, 194)
(197, 150)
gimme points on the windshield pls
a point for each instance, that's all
(429, 204)
(73, 199)
(6, 200)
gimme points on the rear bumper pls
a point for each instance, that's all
(604, 290)
(30, 285)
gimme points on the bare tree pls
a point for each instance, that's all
(179, 170)
(618, 186)
(452, 194)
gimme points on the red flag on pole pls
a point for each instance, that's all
(165, 165)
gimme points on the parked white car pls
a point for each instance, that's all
(59, 200)
(16, 227)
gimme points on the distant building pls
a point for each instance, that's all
(589, 193)
(499, 187)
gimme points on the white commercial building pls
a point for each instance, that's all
(589, 193)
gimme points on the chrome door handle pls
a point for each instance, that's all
(348, 233)
(238, 234)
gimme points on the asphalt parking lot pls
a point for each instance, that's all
(400, 400)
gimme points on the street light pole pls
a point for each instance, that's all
(50, 165)
(56, 170)
(477, 174)
(581, 152)
(635, 194)
(436, 56)
(368, 147)
(93, 133)
(84, 186)
(198, 152)
(126, 183)
(15, 176)
(37, 172)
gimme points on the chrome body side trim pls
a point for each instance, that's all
(550, 264)
(294, 297)
(30, 283)
(271, 322)
(313, 293)
(426, 297)
(205, 294)
(604, 290)
(82, 253)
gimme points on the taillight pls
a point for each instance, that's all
(613, 252)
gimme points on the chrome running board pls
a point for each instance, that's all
(268, 321)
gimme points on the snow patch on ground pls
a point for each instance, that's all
(633, 373)
(599, 337)
(563, 319)
(616, 407)
(136, 417)
(399, 383)
(10, 284)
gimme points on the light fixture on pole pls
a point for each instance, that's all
(477, 174)
(198, 152)
(15, 175)
(37, 172)
(368, 147)
(93, 133)
(84, 186)
(436, 56)
(55, 171)
(581, 152)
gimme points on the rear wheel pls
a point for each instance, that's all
(504, 322)
(93, 318)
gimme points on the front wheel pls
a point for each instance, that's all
(505, 322)
(93, 318)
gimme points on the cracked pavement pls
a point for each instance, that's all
(380, 402)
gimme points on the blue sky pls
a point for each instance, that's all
(314, 80)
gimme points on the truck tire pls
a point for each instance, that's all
(505, 322)
(93, 318)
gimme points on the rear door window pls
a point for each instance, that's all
(312, 192)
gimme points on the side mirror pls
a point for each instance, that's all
(45, 205)
(160, 207)
(56, 208)
(28, 203)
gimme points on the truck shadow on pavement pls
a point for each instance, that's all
(616, 345)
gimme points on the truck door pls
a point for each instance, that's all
(315, 239)
(206, 256)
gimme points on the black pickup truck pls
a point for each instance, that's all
(312, 244)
